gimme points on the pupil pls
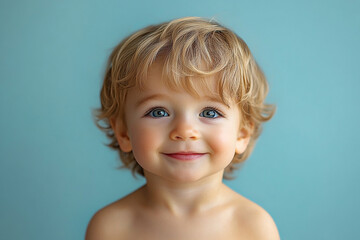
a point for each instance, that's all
(210, 113)
(159, 113)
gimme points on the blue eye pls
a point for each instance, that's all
(157, 113)
(210, 113)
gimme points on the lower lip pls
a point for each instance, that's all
(185, 157)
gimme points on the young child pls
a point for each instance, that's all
(183, 103)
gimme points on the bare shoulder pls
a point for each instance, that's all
(112, 221)
(256, 221)
(107, 223)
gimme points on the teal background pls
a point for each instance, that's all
(55, 171)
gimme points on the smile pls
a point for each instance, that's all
(185, 156)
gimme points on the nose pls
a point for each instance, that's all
(184, 130)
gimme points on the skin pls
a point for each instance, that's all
(184, 143)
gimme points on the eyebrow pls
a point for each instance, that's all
(148, 98)
(217, 99)
(162, 96)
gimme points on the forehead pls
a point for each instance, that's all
(157, 80)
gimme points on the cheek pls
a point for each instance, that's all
(144, 141)
(223, 140)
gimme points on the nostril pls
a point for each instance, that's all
(184, 131)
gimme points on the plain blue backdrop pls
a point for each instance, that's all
(55, 171)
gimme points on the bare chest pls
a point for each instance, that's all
(206, 227)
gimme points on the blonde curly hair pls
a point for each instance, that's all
(185, 45)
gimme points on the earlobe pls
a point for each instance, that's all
(121, 134)
(242, 140)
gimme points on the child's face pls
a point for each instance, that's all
(176, 135)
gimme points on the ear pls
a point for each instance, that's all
(243, 139)
(121, 134)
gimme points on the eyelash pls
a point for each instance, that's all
(147, 114)
(217, 110)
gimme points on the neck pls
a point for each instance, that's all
(184, 199)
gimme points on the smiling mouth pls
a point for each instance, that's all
(185, 156)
